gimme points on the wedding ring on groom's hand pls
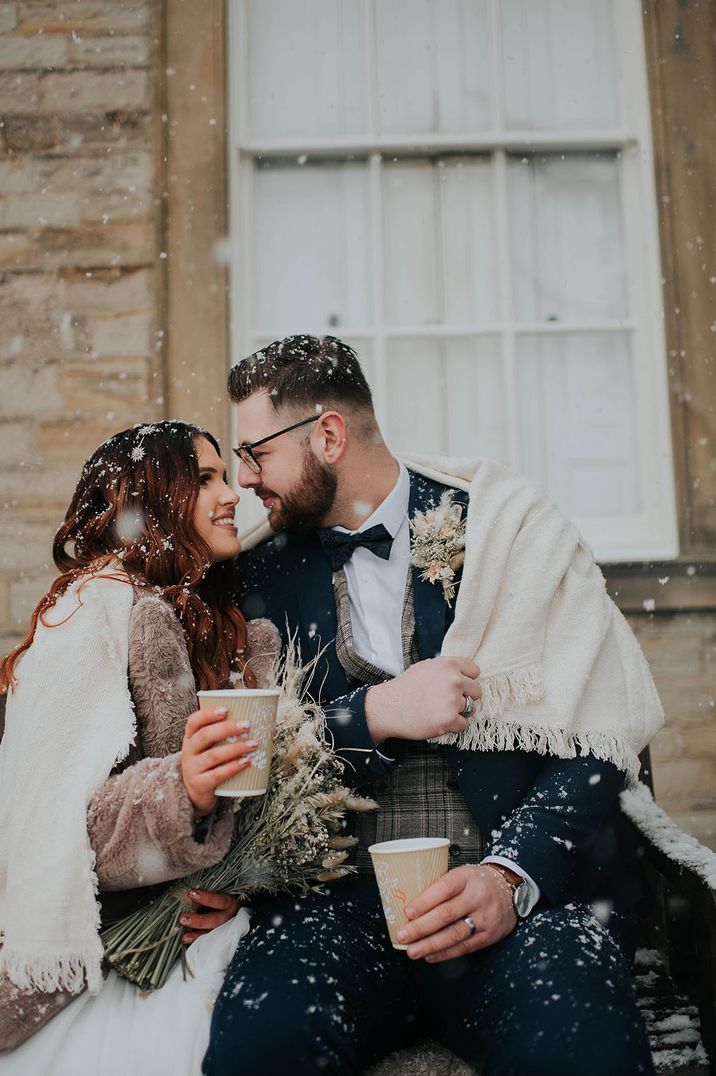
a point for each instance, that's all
(469, 708)
(470, 924)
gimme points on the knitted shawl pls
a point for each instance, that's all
(71, 691)
(561, 672)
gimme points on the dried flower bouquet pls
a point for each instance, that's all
(291, 839)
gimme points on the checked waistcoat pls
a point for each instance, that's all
(420, 798)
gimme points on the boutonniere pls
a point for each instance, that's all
(438, 543)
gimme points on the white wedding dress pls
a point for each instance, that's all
(122, 1032)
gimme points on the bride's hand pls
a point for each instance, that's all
(221, 908)
(206, 761)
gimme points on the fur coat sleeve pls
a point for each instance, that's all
(141, 820)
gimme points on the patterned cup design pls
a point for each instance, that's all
(258, 707)
(403, 870)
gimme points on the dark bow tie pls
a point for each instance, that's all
(339, 546)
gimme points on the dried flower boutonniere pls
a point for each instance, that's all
(438, 545)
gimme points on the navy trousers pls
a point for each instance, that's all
(315, 987)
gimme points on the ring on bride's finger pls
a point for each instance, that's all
(469, 708)
(470, 924)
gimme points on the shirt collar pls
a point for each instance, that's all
(391, 511)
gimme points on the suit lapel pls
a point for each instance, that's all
(430, 605)
(313, 585)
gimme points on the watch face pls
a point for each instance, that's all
(522, 900)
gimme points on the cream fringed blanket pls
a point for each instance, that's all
(72, 693)
(561, 672)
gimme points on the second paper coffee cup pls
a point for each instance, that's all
(403, 870)
(258, 707)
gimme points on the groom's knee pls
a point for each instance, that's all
(297, 1045)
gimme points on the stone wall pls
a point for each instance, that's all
(80, 218)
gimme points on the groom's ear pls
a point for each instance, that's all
(330, 436)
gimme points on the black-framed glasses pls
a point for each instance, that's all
(245, 452)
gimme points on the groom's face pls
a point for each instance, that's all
(296, 487)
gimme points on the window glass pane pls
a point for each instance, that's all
(439, 242)
(468, 254)
(566, 238)
(445, 396)
(311, 248)
(410, 244)
(415, 378)
(434, 66)
(560, 64)
(307, 68)
(578, 420)
(475, 398)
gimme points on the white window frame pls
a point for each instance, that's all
(650, 535)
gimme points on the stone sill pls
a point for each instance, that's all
(673, 586)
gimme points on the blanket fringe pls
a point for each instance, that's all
(487, 730)
(40, 972)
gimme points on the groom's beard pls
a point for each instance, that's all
(304, 508)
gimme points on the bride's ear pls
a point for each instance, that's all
(330, 436)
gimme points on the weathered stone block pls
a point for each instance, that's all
(18, 442)
(112, 290)
(127, 334)
(111, 207)
(128, 129)
(667, 744)
(16, 250)
(28, 389)
(5, 611)
(21, 53)
(40, 210)
(91, 16)
(25, 134)
(127, 243)
(93, 91)
(8, 17)
(685, 701)
(685, 782)
(20, 92)
(24, 546)
(115, 51)
(120, 387)
(25, 593)
(674, 655)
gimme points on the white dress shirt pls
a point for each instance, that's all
(376, 593)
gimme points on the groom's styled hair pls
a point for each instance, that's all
(303, 372)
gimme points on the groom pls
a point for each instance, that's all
(507, 962)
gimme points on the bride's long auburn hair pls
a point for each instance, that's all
(135, 504)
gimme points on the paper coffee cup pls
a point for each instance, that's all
(403, 870)
(258, 706)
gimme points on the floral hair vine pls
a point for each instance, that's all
(138, 451)
(438, 544)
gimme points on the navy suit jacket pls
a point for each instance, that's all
(557, 818)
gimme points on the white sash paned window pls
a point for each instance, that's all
(463, 191)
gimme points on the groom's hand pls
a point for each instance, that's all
(437, 929)
(426, 700)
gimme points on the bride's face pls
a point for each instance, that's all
(214, 513)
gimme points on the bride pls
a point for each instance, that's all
(107, 771)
